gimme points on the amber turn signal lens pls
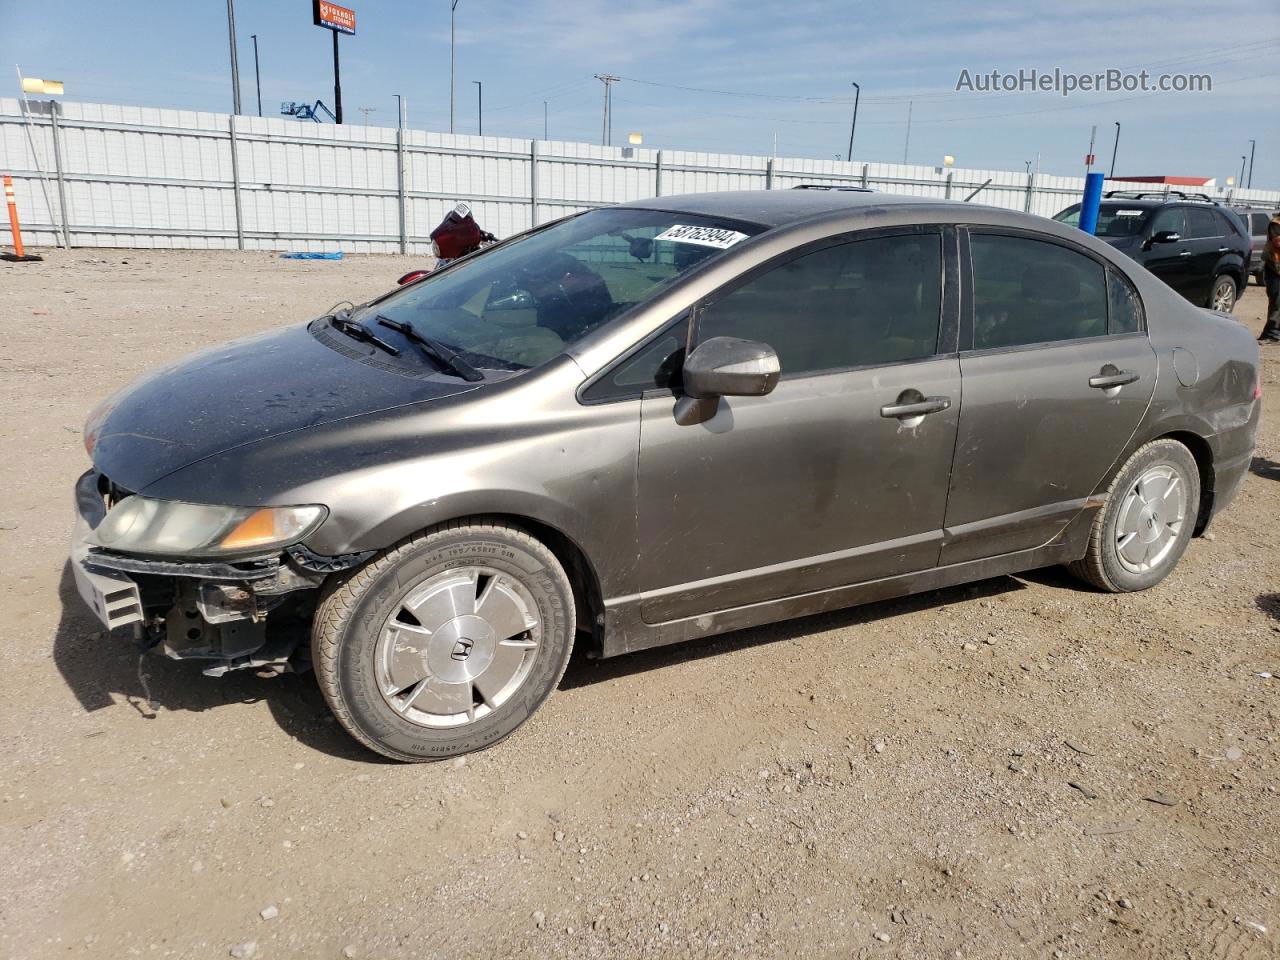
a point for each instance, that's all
(258, 527)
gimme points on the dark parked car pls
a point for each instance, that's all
(1199, 248)
(1257, 219)
(651, 423)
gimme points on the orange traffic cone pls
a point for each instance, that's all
(18, 253)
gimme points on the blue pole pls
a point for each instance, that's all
(1089, 204)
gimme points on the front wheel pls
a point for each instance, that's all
(445, 643)
(1146, 520)
(1223, 295)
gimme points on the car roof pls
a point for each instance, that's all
(775, 208)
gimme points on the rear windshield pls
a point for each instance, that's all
(1114, 219)
(520, 304)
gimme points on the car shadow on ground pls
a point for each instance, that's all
(1269, 603)
(102, 669)
(1262, 467)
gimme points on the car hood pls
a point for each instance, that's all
(241, 392)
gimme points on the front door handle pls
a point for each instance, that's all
(1223, 249)
(915, 408)
(1109, 381)
(1185, 253)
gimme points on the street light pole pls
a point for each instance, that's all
(257, 74)
(1115, 147)
(235, 64)
(546, 122)
(1243, 158)
(337, 80)
(400, 110)
(452, 100)
(479, 106)
(1252, 145)
(857, 94)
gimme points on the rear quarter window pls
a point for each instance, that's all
(1123, 303)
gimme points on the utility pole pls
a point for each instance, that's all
(857, 94)
(1115, 148)
(401, 112)
(1252, 145)
(257, 74)
(235, 64)
(479, 106)
(606, 122)
(366, 111)
(907, 145)
(452, 99)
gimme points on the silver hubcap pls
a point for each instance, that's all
(458, 645)
(1224, 298)
(1151, 517)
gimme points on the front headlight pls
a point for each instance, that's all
(175, 529)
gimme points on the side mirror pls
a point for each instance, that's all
(411, 276)
(724, 367)
(1166, 236)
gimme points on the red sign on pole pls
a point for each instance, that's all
(325, 14)
(1090, 159)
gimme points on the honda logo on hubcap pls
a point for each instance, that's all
(461, 650)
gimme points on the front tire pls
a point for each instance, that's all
(445, 643)
(1146, 522)
(1222, 297)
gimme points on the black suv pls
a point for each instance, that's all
(1198, 247)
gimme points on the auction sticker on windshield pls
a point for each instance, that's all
(703, 236)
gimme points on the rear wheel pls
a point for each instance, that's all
(1223, 295)
(1146, 522)
(446, 643)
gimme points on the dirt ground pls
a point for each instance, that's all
(894, 780)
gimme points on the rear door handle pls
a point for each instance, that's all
(918, 408)
(1223, 249)
(1185, 253)
(1106, 381)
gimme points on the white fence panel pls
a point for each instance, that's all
(140, 176)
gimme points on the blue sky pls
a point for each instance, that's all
(784, 69)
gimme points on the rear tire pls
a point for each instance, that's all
(1146, 521)
(445, 643)
(1222, 297)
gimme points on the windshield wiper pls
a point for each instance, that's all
(433, 348)
(343, 323)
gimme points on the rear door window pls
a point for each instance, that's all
(1029, 291)
(1202, 223)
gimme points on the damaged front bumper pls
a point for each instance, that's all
(243, 614)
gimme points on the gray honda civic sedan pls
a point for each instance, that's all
(651, 423)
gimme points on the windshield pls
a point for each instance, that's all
(1114, 219)
(521, 304)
